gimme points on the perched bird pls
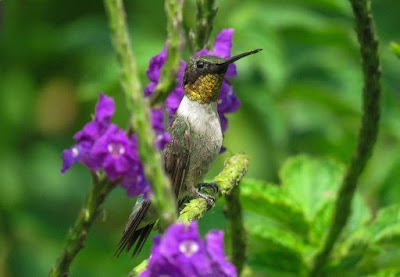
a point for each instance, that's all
(196, 141)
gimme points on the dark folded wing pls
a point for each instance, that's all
(131, 234)
(176, 159)
(177, 153)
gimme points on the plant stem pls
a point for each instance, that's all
(368, 131)
(77, 235)
(234, 169)
(162, 199)
(237, 233)
(204, 23)
(138, 269)
(174, 48)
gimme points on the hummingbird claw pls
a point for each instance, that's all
(208, 188)
(207, 191)
(209, 199)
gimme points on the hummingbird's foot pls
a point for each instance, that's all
(208, 188)
(209, 199)
(207, 191)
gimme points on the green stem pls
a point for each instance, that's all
(237, 233)
(138, 269)
(234, 170)
(174, 48)
(206, 12)
(8, 239)
(77, 235)
(368, 131)
(139, 107)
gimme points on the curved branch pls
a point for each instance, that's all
(368, 131)
(237, 232)
(234, 169)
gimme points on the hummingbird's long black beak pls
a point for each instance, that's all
(239, 56)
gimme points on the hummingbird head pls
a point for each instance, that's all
(204, 76)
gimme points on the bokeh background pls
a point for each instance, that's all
(300, 95)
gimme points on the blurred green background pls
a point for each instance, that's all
(300, 95)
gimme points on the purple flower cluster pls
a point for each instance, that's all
(103, 145)
(228, 102)
(181, 252)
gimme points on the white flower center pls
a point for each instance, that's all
(75, 151)
(188, 247)
(116, 149)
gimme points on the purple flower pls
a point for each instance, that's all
(75, 154)
(228, 102)
(89, 134)
(160, 265)
(223, 43)
(114, 152)
(175, 97)
(222, 48)
(214, 244)
(181, 252)
(134, 180)
(101, 145)
(157, 121)
(157, 115)
(154, 70)
(105, 109)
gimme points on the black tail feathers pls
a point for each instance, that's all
(132, 234)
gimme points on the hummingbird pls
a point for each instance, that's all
(196, 140)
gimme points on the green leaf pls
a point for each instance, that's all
(360, 215)
(349, 254)
(303, 205)
(273, 249)
(390, 236)
(371, 247)
(311, 182)
(395, 47)
(386, 227)
(320, 224)
(354, 248)
(271, 201)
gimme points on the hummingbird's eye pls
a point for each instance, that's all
(200, 64)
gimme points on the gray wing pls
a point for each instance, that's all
(176, 159)
(177, 154)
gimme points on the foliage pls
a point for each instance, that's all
(300, 95)
(395, 48)
(286, 224)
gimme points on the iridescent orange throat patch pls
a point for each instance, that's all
(205, 89)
